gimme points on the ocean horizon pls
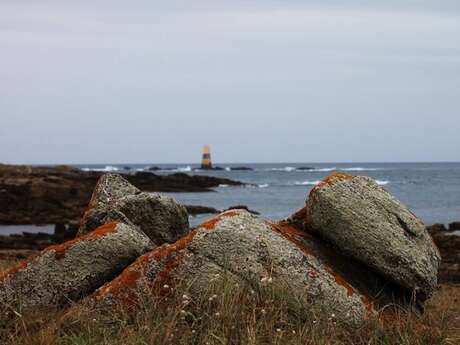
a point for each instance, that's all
(430, 189)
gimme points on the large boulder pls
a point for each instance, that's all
(247, 248)
(366, 223)
(160, 217)
(66, 272)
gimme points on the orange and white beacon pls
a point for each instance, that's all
(206, 159)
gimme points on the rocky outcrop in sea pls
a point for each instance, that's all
(353, 250)
(59, 195)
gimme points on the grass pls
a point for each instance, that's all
(226, 313)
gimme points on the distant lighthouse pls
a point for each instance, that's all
(206, 159)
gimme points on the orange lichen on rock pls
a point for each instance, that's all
(300, 214)
(16, 268)
(295, 236)
(59, 249)
(101, 231)
(211, 224)
(168, 254)
(126, 280)
(330, 180)
(341, 281)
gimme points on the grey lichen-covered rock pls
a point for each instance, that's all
(365, 222)
(109, 188)
(248, 249)
(66, 272)
(160, 217)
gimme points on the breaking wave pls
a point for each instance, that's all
(329, 169)
(307, 183)
(107, 168)
(188, 168)
(288, 169)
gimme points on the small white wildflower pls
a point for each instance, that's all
(263, 311)
(183, 312)
(314, 321)
(193, 331)
(332, 315)
(166, 286)
(270, 280)
(264, 279)
(94, 320)
(293, 332)
(217, 314)
(185, 297)
(252, 292)
(278, 330)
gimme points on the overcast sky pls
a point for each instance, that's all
(260, 81)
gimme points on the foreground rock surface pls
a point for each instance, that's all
(160, 217)
(51, 195)
(365, 222)
(64, 273)
(243, 247)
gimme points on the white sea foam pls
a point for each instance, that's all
(292, 169)
(108, 168)
(228, 169)
(188, 168)
(307, 183)
(360, 169)
(223, 186)
(382, 182)
(322, 169)
(264, 185)
(288, 169)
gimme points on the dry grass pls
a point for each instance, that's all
(226, 314)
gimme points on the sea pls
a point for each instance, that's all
(276, 190)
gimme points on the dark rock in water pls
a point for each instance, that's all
(27, 241)
(454, 226)
(39, 241)
(155, 168)
(241, 169)
(127, 168)
(65, 232)
(51, 195)
(160, 217)
(436, 227)
(365, 222)
(196, 209)
(449, 247)
(209, 168)
(305, 168)
(64, 273)
(242, 207)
